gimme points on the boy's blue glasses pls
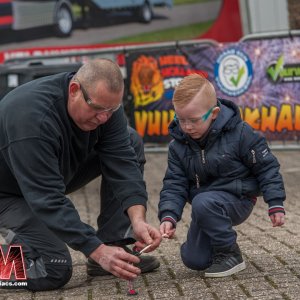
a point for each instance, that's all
(194, 121)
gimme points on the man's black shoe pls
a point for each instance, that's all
(147, 264)
(226, 261)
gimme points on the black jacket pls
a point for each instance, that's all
(232, 158)
(41, 149)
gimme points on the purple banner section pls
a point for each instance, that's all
(260, 76)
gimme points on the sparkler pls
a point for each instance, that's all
(131, 290)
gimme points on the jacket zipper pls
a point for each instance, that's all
(253, 156)
(197, 181)
(203, 156)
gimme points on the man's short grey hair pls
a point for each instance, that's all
(104, 70)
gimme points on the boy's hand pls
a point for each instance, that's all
(277, 219)
(167, 229)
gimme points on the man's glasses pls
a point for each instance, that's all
(194, 121)
(97, 107)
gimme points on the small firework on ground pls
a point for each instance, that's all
(131, 290)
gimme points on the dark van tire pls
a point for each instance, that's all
(63, 20)
(145, 13)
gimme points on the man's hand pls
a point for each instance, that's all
(167, 229)
(145, 234)
(277, 219)
(116, 261)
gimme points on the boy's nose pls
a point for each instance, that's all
(188, 125)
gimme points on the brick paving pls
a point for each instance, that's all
(272, 255)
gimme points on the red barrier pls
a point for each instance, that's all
(228, 26)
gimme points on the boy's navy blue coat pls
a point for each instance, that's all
(235, 159)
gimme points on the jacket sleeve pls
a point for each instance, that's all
(34, 163)
(119, 163)
(257, 155)
(174, 193)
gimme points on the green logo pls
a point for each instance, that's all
(283, 72)
(275, 70)
(235, 81)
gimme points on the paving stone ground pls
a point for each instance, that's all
(272, 255)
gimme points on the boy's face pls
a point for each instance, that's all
(195, 117)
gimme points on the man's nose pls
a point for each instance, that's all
(103, 116)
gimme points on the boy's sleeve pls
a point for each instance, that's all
(174, 193)
(257, 155)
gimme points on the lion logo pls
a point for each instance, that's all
(146, 82)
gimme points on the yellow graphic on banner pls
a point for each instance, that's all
(153, 123)
(273, 118)
(146, 82)
(265, 119)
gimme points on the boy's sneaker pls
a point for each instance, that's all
(226, 261)
(147, 264)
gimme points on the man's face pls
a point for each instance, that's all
(91, 108)
(196, 117)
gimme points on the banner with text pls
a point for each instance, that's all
(152, 76)
(260, 76)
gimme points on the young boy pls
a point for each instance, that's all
(219, 165)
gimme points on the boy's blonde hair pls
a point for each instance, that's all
(190, 86)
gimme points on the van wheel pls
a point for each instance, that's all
(145, 13)
(63, 21)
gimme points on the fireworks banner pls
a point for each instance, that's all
(152, 76)
(261, 76)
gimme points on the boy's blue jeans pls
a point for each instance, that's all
(213, 216)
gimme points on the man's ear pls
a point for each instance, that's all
(73, 88)
(215, 112)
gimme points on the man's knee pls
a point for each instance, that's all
(57, 276)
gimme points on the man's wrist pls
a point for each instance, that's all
(137, 214)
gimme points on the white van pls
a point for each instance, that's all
(60, 13)
(142, 8)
